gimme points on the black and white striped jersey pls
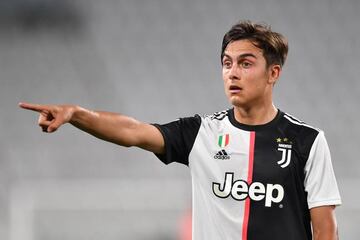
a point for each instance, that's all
(252, 182)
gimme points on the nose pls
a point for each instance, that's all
(234, 73)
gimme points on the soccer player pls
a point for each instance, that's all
(257, 172)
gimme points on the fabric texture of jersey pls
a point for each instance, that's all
(252, 182)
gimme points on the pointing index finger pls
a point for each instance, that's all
(33, 107)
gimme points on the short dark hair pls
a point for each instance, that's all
(273, 44)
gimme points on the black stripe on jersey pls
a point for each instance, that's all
(266, 170)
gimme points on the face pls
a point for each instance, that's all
(247, 79)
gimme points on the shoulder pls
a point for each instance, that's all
(196, 121)
(304, 134)
(298, 125)
(217, 116)
(216, 119)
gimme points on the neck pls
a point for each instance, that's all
(258, 115)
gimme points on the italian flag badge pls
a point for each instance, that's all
(223, 140)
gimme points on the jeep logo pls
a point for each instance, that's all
(240, 190)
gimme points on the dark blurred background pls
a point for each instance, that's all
(154, 60)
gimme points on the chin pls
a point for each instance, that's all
(237, 101)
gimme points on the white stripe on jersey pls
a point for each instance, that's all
(298, 122)
(214, 217)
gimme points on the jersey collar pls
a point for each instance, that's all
(246, 127)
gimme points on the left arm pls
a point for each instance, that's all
(324, 223)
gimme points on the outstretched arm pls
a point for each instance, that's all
(112, 127)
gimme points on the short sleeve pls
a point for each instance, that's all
(179, 137)
(320, 183)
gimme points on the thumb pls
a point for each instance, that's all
(56, 123)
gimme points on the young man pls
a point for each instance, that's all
(257, 172)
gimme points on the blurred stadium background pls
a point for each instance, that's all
(154, 60)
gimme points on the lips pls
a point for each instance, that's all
(234, 89)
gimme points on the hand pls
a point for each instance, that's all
(51, 116)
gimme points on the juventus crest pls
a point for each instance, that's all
(284, 146)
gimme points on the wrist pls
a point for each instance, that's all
(80, 116)
(76, 113)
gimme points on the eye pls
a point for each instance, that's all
(246, 64)
(227, 64)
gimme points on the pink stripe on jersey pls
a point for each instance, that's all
(249, 181)
(227, 139)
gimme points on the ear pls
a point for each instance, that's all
(274, 73)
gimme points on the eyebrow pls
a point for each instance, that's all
(244, 55)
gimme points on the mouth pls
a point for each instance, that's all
(235, 89)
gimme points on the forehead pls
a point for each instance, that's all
(241, 47)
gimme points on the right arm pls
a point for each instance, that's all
(112, 127)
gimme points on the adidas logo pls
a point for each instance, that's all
(222, 155)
